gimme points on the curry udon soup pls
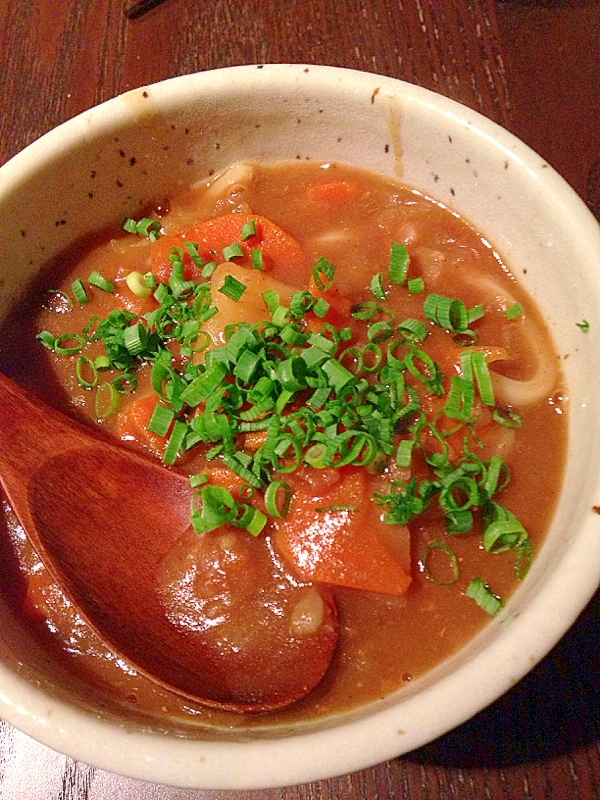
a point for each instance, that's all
(368, 406)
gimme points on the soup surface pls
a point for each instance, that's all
(366, 398)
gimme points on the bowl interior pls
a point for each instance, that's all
(115, 159)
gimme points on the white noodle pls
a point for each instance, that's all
(233, 181)
(521, 393)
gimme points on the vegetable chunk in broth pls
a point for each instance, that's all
(370, 408)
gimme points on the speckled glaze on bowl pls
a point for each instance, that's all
(112, 160)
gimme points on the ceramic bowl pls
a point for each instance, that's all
(112, 160)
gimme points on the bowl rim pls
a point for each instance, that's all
(356, 742)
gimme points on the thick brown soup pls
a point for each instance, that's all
(369, 403)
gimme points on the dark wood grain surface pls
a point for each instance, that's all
(534, 67)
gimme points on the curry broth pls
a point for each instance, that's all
(385, 641)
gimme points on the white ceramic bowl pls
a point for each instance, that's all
(80, 177)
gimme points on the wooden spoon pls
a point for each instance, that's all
(103, 519)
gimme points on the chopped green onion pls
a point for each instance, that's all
(323, 273)
(479, 591)
(233, 288)
(175, 442)
(192, 249)
(126, 383)
(460, 400)
(434, 547)
(377, 286)
(413, 329)
(321, 307)
(339, 377)
(161, 419)
(97, 280)
(47, 339)
(217, 508)
(508, 418)
(257, 259)
(399, 263)
(248, 230)
(80, 292)
(278, 498)
(584, 325)
(475, 313)
(233, 251)
(315, 456)
(77, 346)
(482, 377)
(514, 311)
(144, 227)
(365, 310)
(135, 338)
(404, 452)
(85, 364)
(209, 268)
(106, 401)
(415, 285)
(198, 480)
(251, 519)
(502, 530)
(102, 362)
(450, 314)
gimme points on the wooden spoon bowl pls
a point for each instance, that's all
(103, 520)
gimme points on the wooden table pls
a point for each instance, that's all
(534, 67)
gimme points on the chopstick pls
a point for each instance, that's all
(141, 7)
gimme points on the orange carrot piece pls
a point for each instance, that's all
(283, 255)
(133, 420)
(221, 475)
(339, 310)
(334, 192)
(324, 543)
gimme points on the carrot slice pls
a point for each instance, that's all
(339, 310)
(282, 253)
(337, 536)
(334, 192)
(133, 420)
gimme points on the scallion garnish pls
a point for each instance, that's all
(79, 291)
(107, 400)
(377, 286)
(399, 263)
(161, 419)
(143, 227)
(257, 259)
(68, 344)
(86, 372)
(175, 442)
(233, 251)
(233, 288)
(96, 279)
(248, 230)
(514, 311)
(452, 566)
(278, 498)
(415, 285)
(323, 273)
(47, 339)
(479, 591)
(321, 395)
